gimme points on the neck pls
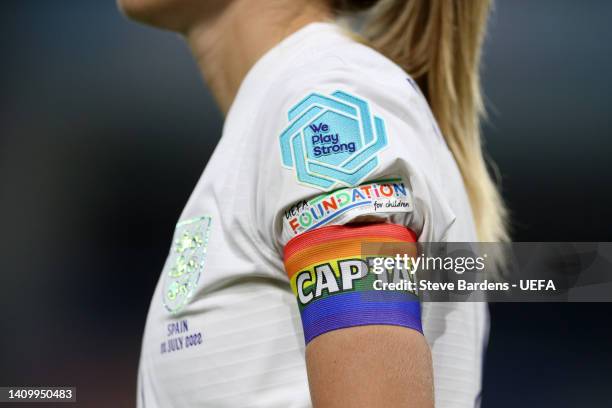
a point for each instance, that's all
(227, 45)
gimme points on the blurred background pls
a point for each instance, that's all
(105, 127)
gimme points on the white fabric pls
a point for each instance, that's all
(252, 349)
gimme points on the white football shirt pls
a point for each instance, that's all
(317, 115)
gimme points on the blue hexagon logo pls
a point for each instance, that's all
(332, 140)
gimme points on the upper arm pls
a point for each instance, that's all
(370, 366)
(340, 159)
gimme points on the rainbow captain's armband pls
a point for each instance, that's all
(332, 280)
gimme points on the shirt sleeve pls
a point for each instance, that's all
(348, 148)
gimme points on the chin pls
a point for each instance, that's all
(140, 9)
(159, 13)
(168, 14)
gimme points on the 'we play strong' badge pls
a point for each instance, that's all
(332, 140)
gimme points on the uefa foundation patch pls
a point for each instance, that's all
(332, 140)
(185, 262)
(382, 196)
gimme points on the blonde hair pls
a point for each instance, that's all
(438, 43)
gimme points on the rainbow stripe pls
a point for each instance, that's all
(329, 274)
